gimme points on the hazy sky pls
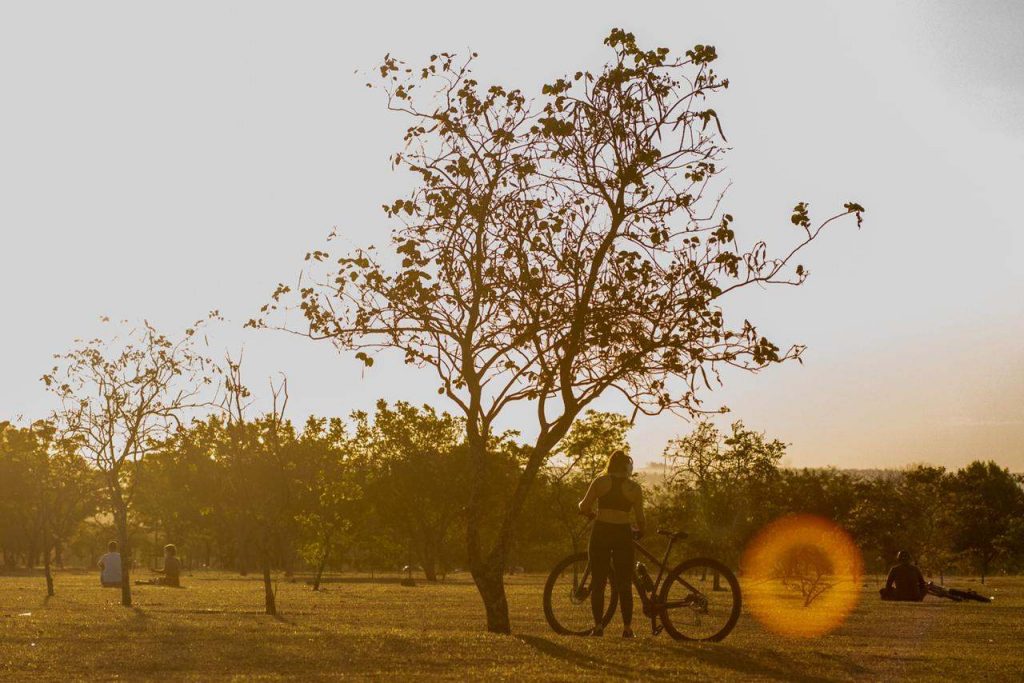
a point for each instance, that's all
(162, 160)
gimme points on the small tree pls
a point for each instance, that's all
(418, 476)
(719, 484)
(119, 398)
(331, 488)
(555, 249)
(25, 463)
(807, 570)
(260, 487)
(987, 502)
(923, 491)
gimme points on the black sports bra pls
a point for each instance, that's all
(615, 499)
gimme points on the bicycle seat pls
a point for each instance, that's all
(675, 535)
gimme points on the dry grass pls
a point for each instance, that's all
(213, 630)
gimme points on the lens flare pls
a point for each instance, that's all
(801, 576)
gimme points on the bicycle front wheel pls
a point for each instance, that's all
(700, 600)
(567, 597)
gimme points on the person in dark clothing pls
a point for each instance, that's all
(617, 498)
(171, 571)
(905, 582)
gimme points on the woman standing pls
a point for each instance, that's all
(615, 497)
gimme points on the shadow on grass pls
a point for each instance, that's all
(574, 657)
(769, 665)
(764, 665)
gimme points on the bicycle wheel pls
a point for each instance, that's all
(700, 600)
(567, 597)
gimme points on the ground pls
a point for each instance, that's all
(358, 628)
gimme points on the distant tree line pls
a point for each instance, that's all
(380, 492)
(724, 487)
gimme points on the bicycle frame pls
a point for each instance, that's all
(651, 606)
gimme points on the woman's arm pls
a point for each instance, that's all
(590, 500)
(638, 506)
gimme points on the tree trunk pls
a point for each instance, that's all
(488, 575)
(268, 587)
(243, 557)
(49, 573)
(121, 522)
(429, 560)
(491, 584)
(126, 568)
(320, 567)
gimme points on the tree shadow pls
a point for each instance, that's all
(850, 667)
(574, 657)
(773, 666)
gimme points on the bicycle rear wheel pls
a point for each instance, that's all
(567, 597)
(700, 600)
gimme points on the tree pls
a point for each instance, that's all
(119, 398)
(261, 492)
(924, 498)
(719, 485)
(806, 569)
(555, 249)
(25, 454)
(418, 475)
(987, 502)
(331, 488)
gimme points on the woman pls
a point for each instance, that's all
(615, 495)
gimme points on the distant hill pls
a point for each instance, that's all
(653, 473)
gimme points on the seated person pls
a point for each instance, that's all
(171, 571)
(110, 567)
(905, 582)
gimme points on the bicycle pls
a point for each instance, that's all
(955, 594)
(685, 611)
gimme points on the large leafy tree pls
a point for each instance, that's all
(555, 247)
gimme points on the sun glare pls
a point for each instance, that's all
(801, 576)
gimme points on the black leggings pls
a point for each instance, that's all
(611, 546)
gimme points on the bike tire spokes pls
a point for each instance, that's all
(700, 600)
(567, 597)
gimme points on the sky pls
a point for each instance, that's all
(159, 160)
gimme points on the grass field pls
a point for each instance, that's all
(213, 630)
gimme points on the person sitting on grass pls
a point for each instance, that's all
(110, 567)
(905, 582)
(171, 571)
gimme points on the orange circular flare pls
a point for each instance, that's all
(801, 576)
